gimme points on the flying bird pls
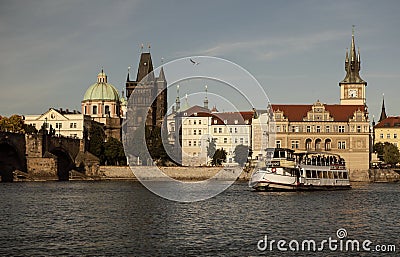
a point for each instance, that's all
(194, 63)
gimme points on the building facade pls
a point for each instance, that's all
(63, 122)
(388, 130)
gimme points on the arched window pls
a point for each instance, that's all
(107, 110)
(328, 143)
(317, 144)
(308, 144)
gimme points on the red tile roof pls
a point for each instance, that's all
(389, 122)
(296, 112)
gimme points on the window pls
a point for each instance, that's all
(199, 143)
(278, 144)
(190, 143)
(94, 109)
(230, 130)
(194, 143)
(225, 140)
(219, 130)
(199, 122)
(308, 129)
(318, 129)
(241, 140)
(74, 125)
(341, 129)
(295, 129)
(71, 125)
(327, 129)
(295, 144)
(236, 130)
(278, 128)
(85, 109)
(394, 135)
(381, 135)
(107, 110)
(236, 140)
(358, 129)
(58, 125)
(236, 121)
(194, 132)
(194, 122)
(199, 131)
(215, 130)
(342, 145)
(388, 135)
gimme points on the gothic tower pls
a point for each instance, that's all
(352, 87)
(383, 111)
(147, 87)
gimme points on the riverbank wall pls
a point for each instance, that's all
(178, 173)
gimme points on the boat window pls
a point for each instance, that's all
(276, 154)
(345, 175)
(308, 173)
(335, 174)
(325, 174)
(320, 174)
(314, 174)
(330, 174)
(301, 173)
(282, 154)
(340, 174)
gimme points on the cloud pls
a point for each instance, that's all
(268, 48)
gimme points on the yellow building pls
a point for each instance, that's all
(388, 130)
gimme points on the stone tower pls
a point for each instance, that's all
(148, 87)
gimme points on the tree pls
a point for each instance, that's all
(13, 124)
(391, 154)
(218, 157)
(378, 148)
(114, 152)
(241, 154)
(96, 141)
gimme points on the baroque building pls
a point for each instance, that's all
(339, 128)
(104, 105)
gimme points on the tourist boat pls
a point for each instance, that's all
(287, 170)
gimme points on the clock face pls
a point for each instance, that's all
(353, 93)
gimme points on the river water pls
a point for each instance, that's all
(122, 218)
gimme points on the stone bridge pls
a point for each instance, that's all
(43, 157)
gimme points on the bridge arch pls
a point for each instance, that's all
(65, 162)
(10, 161)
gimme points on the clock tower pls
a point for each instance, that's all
(352, 87)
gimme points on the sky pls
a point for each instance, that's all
(51, 51)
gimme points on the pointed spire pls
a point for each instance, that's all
(206, 99)
(127, 77)
(352, 63)
(383, 111)
(161, 76)
(178, 100)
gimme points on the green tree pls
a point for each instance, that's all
(114, 152)
(14, 123)
(96, 141)
(218, 157)
(378, 148)
(391, 154)
(241, 154)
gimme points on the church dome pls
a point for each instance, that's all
(101, 90)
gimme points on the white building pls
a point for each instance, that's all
(198, 125)
(64, 122)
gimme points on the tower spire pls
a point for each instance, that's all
(353, 63)
(127, 77)
(177, 100)
(206, 99)
(383, 111)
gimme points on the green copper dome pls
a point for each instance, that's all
(101, 90)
